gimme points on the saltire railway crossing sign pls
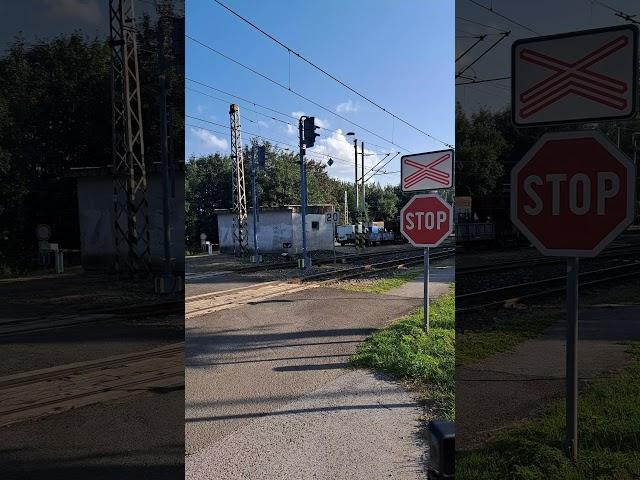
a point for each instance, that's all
(426, 220)
(427, 171)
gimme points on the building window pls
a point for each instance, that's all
(315, 225)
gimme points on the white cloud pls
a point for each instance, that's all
(85, 10)
(292, 129)
(262, 123)
(208, 139)
(346, 107)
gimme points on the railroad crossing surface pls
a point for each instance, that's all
(269, 393)
(67, 376)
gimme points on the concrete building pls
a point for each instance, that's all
(95, 209)
(280, 229)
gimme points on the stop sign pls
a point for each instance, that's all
(426, 220)
(572, 193)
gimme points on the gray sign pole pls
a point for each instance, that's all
(572, 359)
(426, 289)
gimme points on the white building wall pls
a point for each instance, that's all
(276, 228)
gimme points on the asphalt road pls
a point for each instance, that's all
(277, 361)
(505, 388)
(133, 431)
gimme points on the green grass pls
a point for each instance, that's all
(406, 351)
(608, 436)
(503, 335)
(383, 285)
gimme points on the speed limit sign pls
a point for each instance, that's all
(333, 217)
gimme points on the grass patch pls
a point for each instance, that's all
(406, 351)
(608, 436)
(504, 333)
(383, 285)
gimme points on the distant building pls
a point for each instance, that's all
(96, 215)
(280, 229)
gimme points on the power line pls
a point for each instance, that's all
(618, 13)
(386, 163)
(275, 82)
(310, 157)
(504, 35)
(262, 113)
(333, 77)
(490, 9)
(480, 38)
(268, 139)
(472, 81)
(480, 24)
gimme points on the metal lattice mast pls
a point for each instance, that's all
(240, 236)
(131, 217)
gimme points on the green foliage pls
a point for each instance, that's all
(406, 351)
(609, 444)
(383, 285)
(55, 114)
(208, 187)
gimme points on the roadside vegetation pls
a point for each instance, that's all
(609, 443)
(498, 331)
(392, 280)
(407, 352)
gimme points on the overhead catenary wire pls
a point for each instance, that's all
(350, 162)
(503, 36)
(495, 12)
(262, 113)
(330, 75)
(252, 135)
(275, 82)
(386, 163)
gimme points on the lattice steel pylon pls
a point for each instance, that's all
(239, 200)
(131, 207)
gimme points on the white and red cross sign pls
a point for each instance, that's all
(426, 171)
(575, 77)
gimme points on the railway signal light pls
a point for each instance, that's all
(262, 156)
(310, 131)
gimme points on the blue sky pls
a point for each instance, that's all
(400, 54)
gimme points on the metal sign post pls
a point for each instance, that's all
(572, 359)
(425, 302)
(426, 221)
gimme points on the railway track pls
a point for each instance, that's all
(512, 294)
(37, 324)
(203, 304)
(324, 260)
(62, 388)
(624, 251)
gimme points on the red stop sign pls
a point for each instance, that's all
(572, 193)
(426, 220)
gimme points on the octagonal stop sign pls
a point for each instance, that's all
(426, 220)
(572, 193)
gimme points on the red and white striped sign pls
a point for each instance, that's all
(427, 171)
(580, 76)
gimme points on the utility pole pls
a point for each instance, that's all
(307, 131)
(239, 200)
(167, 284)
(364, 204)
(254, 199)
(130, 202)
(345, 220)
(355, 153)
(303, 195)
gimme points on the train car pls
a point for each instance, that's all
(485, 221)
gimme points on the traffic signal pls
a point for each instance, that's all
(310, 131)
(261, 156)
